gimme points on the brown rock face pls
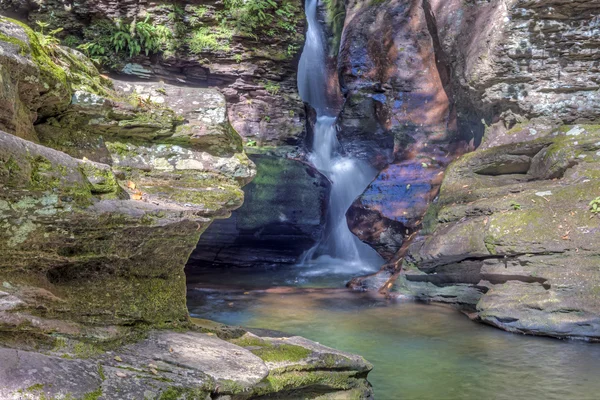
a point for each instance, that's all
(430, 72)
(399, 109)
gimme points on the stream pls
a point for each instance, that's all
(419, 351)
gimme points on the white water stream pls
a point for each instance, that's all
(339, 251)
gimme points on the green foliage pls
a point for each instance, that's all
(291, 50)
(251, 143)
(595, 206)
(250, 16)
(210, 39)
(271, 87)
(336, 14)
(238, 58)
(515, 206)
(48, 41)
(105, 38)
(71, 41)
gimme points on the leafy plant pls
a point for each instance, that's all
(515, 206)
(129, 39)
(47, 41)
(595, 206)
(251, 143)
(291, 50)
(210, 39)
(250, 16)
(71, 41)
(272, 88)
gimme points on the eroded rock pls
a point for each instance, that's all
(518, 249)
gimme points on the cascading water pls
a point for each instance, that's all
(339, 251)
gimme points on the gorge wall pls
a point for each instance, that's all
(510, 236)
(106, 185)
(98, 174)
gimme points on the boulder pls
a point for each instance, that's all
(186, 364)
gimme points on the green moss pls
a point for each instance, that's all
(228, 386)
(273, 352)
(430, 220)
(51, 73)
(47, 176)
(35, 388)
(24, 48)
(101, 372)
(282, 352)
(86, 350)
(210, 191)
(491, 248)
(336, 15)
(95, 395)
(102, 180)
(180, 393)
(302, 380)
(11, 170)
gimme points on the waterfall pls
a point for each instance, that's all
(339, 251)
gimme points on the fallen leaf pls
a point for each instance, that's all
(131, 185)
(153, 366)
(117, 358)
(121, 375)
(155, 372)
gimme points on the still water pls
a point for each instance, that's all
(418, 351)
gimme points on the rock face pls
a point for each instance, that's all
(522, 58)
(399, 109)
(510, 236)
(514, 237)
(283, 215)
(105, 188)
(100, 217)
(254, 68)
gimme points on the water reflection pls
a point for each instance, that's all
(419, 351)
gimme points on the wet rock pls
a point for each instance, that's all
(282, 216)
(392, 206)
